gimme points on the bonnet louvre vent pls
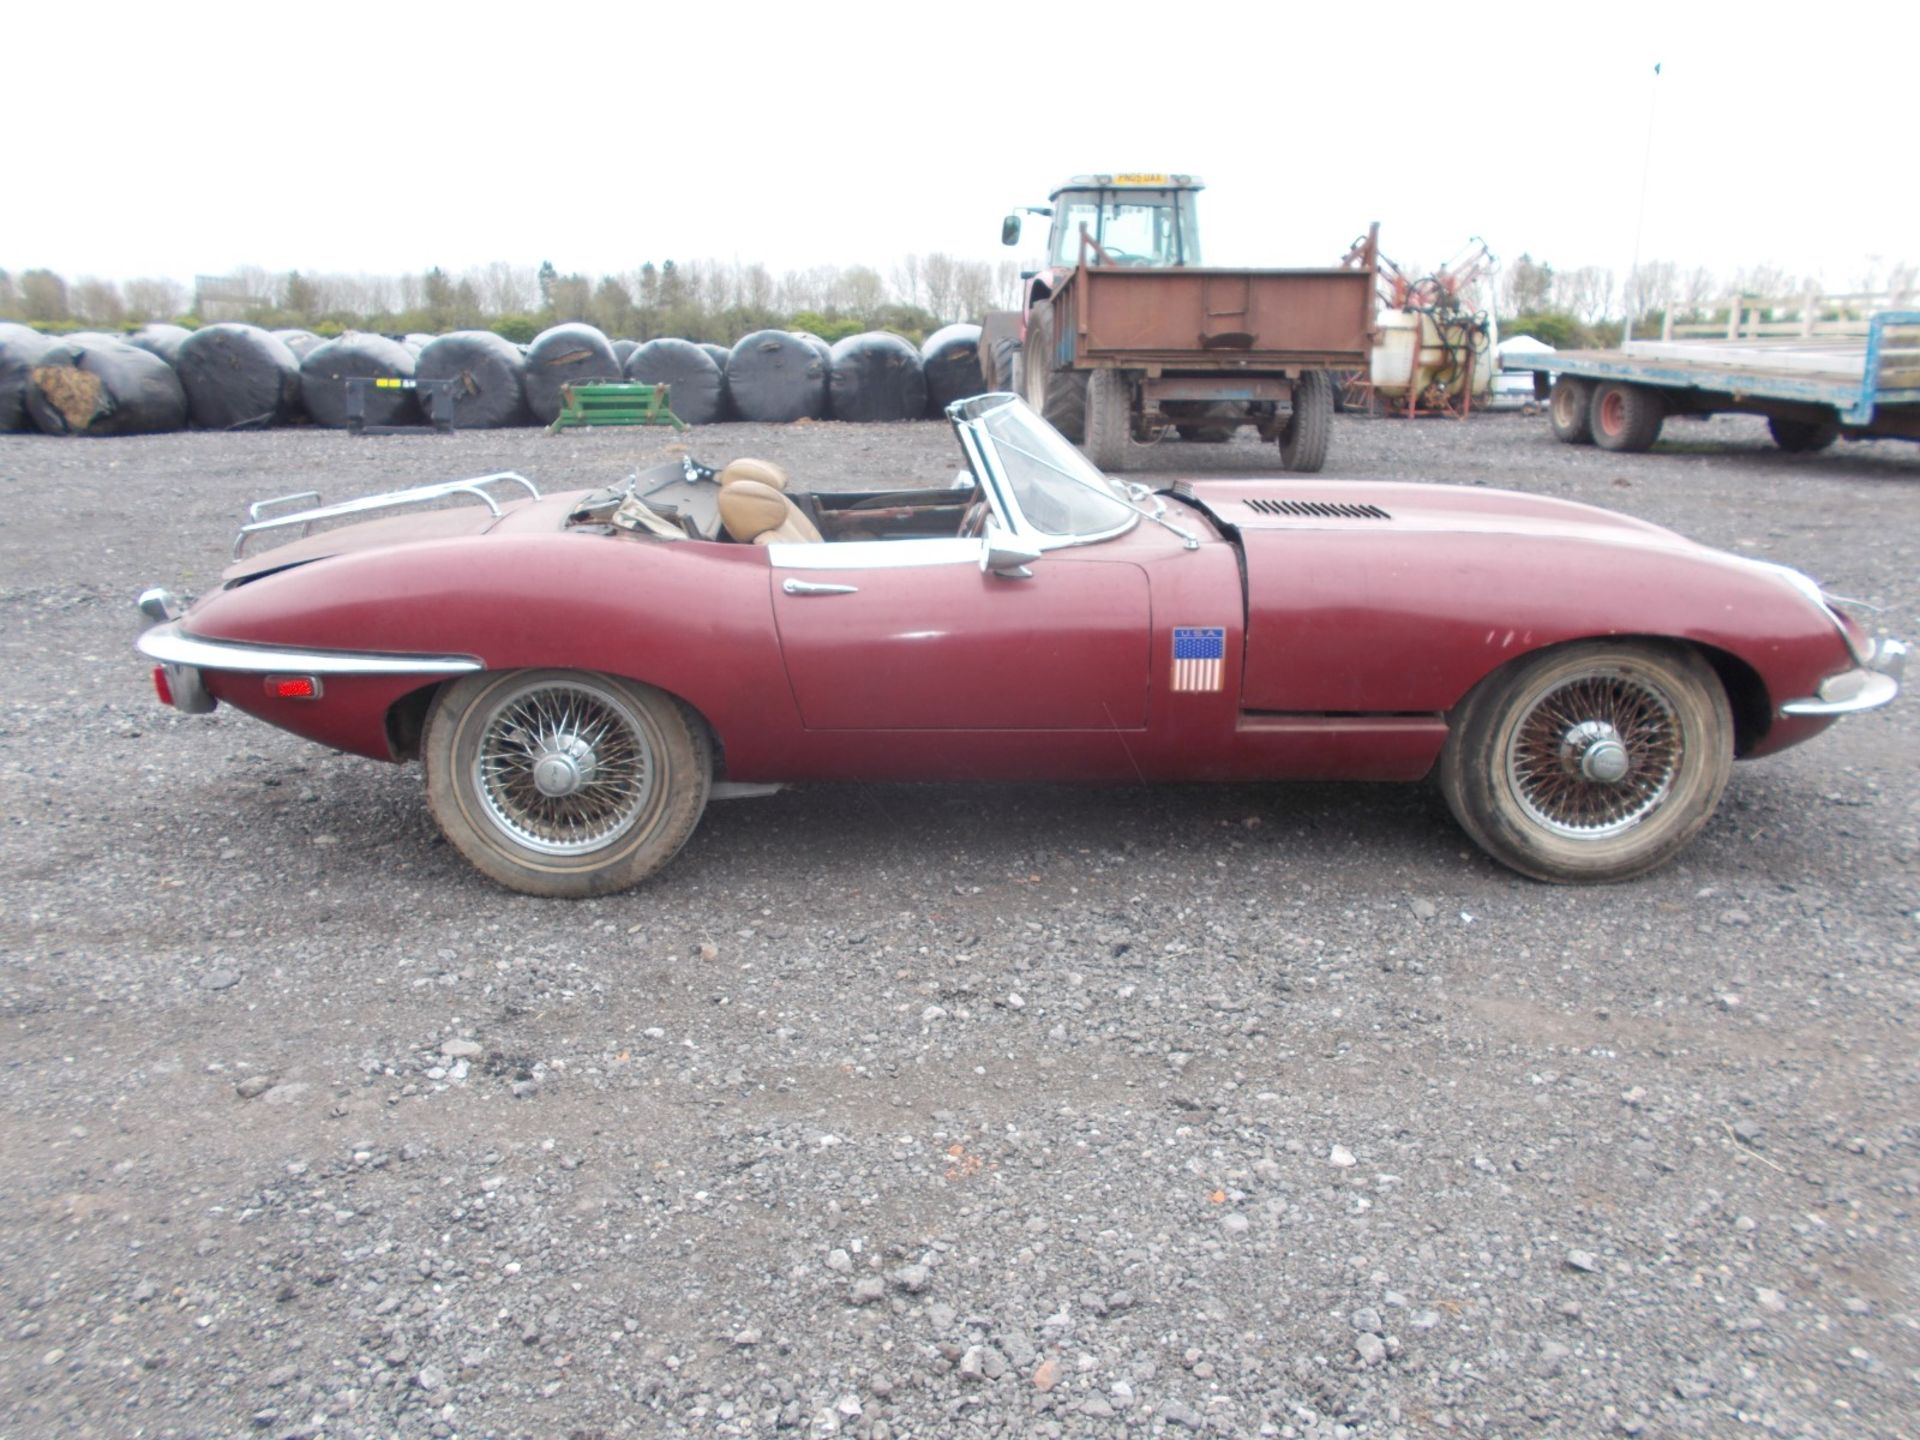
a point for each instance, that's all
(1318, 509)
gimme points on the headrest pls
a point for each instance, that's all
(763, 471)
(750, 508)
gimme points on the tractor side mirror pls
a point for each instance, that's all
(1004, 554)
(1010, 230)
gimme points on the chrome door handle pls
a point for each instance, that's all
(809, 587)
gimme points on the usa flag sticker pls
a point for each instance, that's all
(1199, 656)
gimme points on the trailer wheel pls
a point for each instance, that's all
(1109, 419)
(1303, 439)
(1060, 396)
(1570, 410)
(1625, 417)
(1799, 437)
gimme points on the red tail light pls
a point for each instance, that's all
(293, 687)
(161, 687)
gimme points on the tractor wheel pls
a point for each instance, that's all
(1303, 439)
(1798, 437)
(1058, 396)
(1109, 419)
(1570, 411)
(1626, 418)
(1001, 362)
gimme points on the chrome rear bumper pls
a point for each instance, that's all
(1867, 688)
(183, 657)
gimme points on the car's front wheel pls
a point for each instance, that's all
(564, 782)
(1592, 762)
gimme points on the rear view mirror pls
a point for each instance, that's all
(1004, 554)
(1010, 230)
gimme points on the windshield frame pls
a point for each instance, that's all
(983, 447)
(1065, 246)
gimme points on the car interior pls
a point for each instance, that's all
(749, 502)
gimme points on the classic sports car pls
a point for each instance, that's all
(581, 672)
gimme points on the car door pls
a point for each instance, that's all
(913, 635)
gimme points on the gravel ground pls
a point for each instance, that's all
(930, 1110)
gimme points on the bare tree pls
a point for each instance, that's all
(1651, 286)
(863, 291)
(908, 286)
(1586, 293)
(98, 302)
(938, 279)
(154, 297)
(505, 289)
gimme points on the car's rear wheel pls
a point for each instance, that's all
(1592, 762)
(564, 782)
(1569, 411)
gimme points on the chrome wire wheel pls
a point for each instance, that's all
(563, 767)
(564, 782)
(1590, 762)
(1595, 755)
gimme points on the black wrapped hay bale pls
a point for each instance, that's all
(238, 377)
(20, 350)
(623, 351)
(951, 362)
(489, 375)
(417, 341)
(327, 368)
(718, 352)
(876, 377)
(697, 390)
(774, 376)
(161, 340)
(565, 355)
(89, 388)
(824, 350)
(301, 342)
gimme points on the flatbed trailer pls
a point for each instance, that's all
(1813, 389)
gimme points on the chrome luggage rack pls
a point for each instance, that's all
(259, 519)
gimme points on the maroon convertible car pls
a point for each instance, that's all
(580, 673)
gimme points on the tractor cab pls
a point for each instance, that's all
(1147, 220)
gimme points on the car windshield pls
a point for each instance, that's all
(1132, 227)
(1057, 490)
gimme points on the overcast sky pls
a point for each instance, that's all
(174, 140)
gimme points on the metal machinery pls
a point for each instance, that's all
(1432, 352)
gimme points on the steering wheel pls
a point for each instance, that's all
(1126, 257)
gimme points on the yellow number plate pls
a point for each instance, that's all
(1139, 179)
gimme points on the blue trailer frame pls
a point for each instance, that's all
(1871, 391)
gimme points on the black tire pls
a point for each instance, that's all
(1001, 362)
(1109, 419)
(1304, 438)
(1801, 437)
(636, 764)
(1570, 411)
(1625, 418)
(1058, 396)
(1591, 762)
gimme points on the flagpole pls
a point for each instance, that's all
(1640, 220)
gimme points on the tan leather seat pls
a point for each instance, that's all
(753, 512)
(765, 471)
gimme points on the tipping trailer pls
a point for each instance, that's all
(1813, 388)
(1125, 336)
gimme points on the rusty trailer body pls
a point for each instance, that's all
(1213, 335)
